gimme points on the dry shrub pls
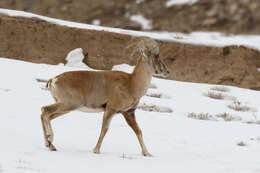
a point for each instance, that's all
(178, 37)
(232, 98)
(201, 116)
(5, 89)
(238, 107)
(215, 95)
(124, 156)
(253, 122)
(242, 144)
(154, 108)
(157, 95)
(228, 117)
(220, 88)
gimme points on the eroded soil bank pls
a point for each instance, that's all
(38, 41)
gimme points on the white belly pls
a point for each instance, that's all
(91, 110)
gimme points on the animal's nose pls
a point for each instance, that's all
(166, 74)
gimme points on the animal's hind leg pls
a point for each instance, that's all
(48, 113)
(44, 126)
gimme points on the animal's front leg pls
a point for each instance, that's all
(131, 121)
(108, 114)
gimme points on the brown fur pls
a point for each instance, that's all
(108, 91)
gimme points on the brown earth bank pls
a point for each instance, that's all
(38, 41)
(229, 16)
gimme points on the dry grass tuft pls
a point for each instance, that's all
(242, 144)
(124, 156)
(5, 89)
(220, 88)
(201, 116)
(157, 95)
(207, 116)
(238, 107)
(253, 122)
(154, 108)
(228, 117)
(215, 95)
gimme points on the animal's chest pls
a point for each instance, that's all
(132, 104)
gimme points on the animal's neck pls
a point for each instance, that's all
(141, 78)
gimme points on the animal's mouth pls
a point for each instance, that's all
(163, 74)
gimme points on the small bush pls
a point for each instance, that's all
(253, 122)
(242, 144)
(238, 107)
(154, 108)
(201, 116)
(124, 156)
(220, 88)
(228, 117)
(157, 95)
(215, 95)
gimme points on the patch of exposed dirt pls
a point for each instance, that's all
(232, 16)
(42, 42)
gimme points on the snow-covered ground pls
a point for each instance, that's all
(178, 141)
(188, 127)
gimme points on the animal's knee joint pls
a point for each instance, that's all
(48, 109)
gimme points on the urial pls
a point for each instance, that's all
(110, 92)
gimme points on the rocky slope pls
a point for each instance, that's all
(232, 16)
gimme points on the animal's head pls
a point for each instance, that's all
(149, 50)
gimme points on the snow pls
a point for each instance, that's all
(75, 59)
(196, 38)
(139, 1)
(96, 22)
(178, 143)
(146, 24)
(170, 3)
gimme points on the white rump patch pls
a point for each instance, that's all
(91, 110)
(53, 82)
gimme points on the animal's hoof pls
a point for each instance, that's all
(96, 151)
(147, 154)
(52, 147)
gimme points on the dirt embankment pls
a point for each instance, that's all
(38, 41)
(229, 16)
